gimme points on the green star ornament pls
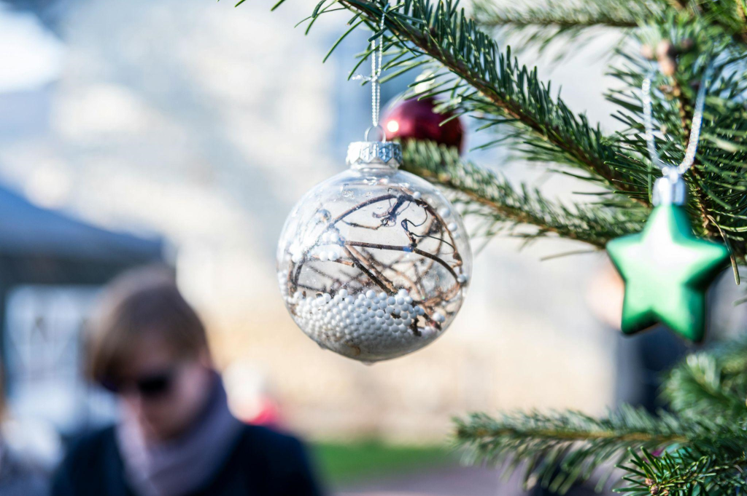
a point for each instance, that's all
(667, 271)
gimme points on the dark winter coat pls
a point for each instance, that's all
(263, 463)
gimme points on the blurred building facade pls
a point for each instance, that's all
(205, 123)
(52, 266)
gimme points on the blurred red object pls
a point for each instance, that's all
(267, 413)
(417, 119)
(249, 395)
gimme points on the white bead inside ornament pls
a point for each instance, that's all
(374, 262)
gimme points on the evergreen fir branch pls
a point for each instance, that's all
(507, 208)
(552, 18)
(541, 23)
(561, 449)
(711, 383)
(716, 183)
(477, 78)
(567, 14)
(686, 472)
(494, 83)
(729, 14)
(700, 449)
(565, 25)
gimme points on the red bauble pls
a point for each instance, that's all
(417, 119)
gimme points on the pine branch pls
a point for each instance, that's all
(716, 183)
(572, 17)
(557, 135)
(699, 449)
(505, 207)
(484, 82)
(712, 383)
(544, 24)
(493, 83)
(729, 14)
(686, 472)
(562, 449)
(564, 15)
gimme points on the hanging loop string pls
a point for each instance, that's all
(377, 55)
(697, 122)
(376, 58)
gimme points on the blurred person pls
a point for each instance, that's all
(176, 436)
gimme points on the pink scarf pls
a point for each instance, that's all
(184, 465)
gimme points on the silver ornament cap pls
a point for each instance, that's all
(669, 189)
(367, 154)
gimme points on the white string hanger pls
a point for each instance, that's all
(697, 122)
(377, 55)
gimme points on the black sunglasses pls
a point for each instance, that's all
(148, 386)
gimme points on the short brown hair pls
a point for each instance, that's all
(144, 300)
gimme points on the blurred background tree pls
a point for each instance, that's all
(698, 447)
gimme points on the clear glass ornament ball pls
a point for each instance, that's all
(374, 263)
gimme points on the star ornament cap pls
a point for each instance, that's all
(667, 271)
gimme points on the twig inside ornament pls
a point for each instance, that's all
(375, 275)
(391, 267)
(405, 249)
